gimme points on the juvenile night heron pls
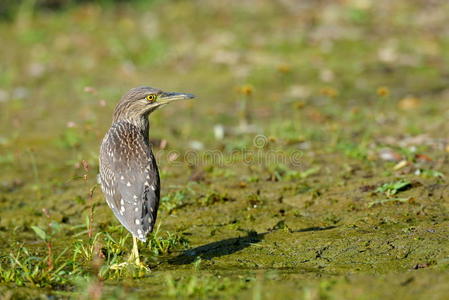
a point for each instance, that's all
(129, 174)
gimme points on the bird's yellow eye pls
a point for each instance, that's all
(151, 97)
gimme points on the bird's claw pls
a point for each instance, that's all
(119, 266)
(135, 260)
(130, 265)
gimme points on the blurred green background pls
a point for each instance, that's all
(357, 88)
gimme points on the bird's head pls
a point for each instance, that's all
(138, 102)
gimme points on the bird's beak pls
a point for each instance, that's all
(165, 98)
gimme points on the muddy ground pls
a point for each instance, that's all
(312, 165)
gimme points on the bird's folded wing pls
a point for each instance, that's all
(135, 194)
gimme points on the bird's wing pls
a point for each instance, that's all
(130, 178)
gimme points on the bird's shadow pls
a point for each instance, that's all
(228, 246)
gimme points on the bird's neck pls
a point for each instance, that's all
(140, 122)
(144, 125)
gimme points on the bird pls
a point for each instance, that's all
(128, 171)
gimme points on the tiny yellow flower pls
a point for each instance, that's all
(246, 89)
(383, 91)
(284, 68)
(299, 104)
(328, 91)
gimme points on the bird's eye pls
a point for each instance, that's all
(151, 98)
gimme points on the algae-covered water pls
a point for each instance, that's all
(312, 165)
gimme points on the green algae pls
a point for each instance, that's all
(314, 212)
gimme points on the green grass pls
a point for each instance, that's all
(85, 257)
(392, 188)
(275, 182)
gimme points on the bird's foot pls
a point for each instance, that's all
(128, 265)
(131, 264)
(135, 260)
(119, 266)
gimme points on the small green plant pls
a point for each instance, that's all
(46, 236)
(252, 178)
(165, 242)
(25, 268)
(353, 150)
(281, 172)
(96, 258)
(430, 173)
(175, 200)
(69, 139)
(8, 158)
(392, 188)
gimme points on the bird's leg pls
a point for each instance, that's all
(134, 257)
(133, 260)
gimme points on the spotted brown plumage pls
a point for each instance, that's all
(130, 178)
(129, 174)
